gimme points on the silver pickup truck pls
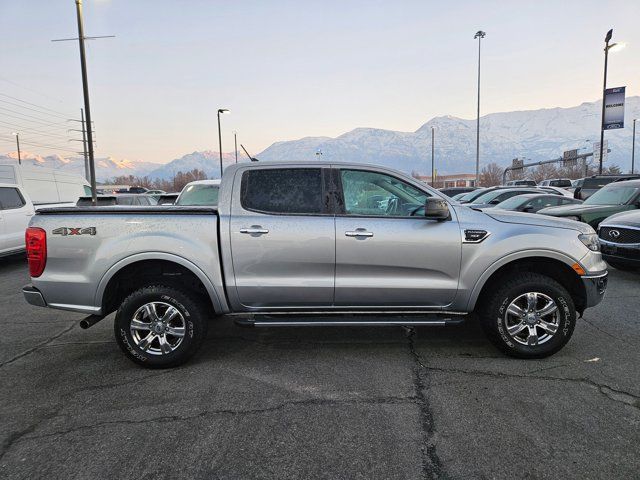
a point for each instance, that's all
(308, 244)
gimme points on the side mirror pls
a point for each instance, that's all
(436, 209)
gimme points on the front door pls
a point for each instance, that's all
(387, 253)
(282, 238)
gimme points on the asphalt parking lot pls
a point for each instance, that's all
(318, 403)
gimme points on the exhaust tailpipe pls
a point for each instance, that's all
(90, 321)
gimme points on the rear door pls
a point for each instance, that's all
(282, 238)
(387, 253)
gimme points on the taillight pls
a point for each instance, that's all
(36, 242)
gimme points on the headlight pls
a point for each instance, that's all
(573, 217)
(591, 241)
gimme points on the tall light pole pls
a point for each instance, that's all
(607, 47)
(235, 143)
(479, 35)
(18, 144)
(633, 146)
(433, 167)
(220, 110)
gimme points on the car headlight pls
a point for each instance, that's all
(591, 241)
(573, 217)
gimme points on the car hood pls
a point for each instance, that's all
(630, 218)
(576, 209)
(507, 216)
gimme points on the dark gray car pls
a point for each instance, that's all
(492, 198)
(532, 202)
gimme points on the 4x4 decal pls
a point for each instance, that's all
(64, 231)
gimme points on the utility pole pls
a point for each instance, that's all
(84, 145)
(479, 35)
(87, 108)
(85, 93)
(220, 110)
(433, 168)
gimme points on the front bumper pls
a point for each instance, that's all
(595, 287)
(628, 253)
(33, 296)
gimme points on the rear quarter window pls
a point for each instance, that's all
(283, 191)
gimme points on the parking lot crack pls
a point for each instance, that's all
(388, 400)
(431, 464)
(38, 346)
(19, 435)
(615, 394)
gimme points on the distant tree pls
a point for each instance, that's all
(491, 175)
(175, 184)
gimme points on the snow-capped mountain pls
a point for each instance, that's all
(533, 134)
(106, 167)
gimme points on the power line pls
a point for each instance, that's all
(22, 128)
(35, 144)
(27, 115)
(33, 109)
(33, 104)
(30, 90)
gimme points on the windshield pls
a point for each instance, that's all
(487, 197)
(199, 195)
(511, 203)
(612, 195)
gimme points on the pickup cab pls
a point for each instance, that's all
(321, 244)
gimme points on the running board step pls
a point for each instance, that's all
(294, 321)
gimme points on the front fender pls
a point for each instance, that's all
(522, 254)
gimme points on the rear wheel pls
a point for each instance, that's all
(529, 316)
(160, 327)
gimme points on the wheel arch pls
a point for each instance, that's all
(552, 264)
(137, 270)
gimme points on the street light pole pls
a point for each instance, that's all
(433, 168)
(633, 146)
(235, 143)
(220, 110)
(604, 89)
(87, 109)
(479, 35)
(18, 145)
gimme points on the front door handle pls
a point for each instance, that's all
(359, 233)
(255, 230)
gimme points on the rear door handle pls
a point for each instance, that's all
(359, 233)
(254, 230)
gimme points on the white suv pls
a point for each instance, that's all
(16, 210)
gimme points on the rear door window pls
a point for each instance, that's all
(283, 191)
(10, 198)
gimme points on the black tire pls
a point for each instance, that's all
(495, 324)
(620, 265)
(192, 319)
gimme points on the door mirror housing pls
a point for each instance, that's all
(436, 209)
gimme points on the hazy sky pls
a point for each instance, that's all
(302, 68)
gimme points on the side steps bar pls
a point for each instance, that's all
(423, 320)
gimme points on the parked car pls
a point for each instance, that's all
(452, 191)
(620, 238)
(16, 210)
(127, 199)
(494, 197)
(532, 202)
(156, 192)
(168, 199)
(556, 190)
(521, 183)
(459, 196)
(45, 186)
(614, 198)
(301, 244)
(471, 196)
(199, 192)
(589, 185)
(556, 182)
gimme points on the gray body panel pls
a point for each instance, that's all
(304, 262)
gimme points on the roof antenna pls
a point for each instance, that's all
(253, 159)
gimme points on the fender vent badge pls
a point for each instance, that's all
(475, 236)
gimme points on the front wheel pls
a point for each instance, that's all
(529, 316)
(160, 327)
